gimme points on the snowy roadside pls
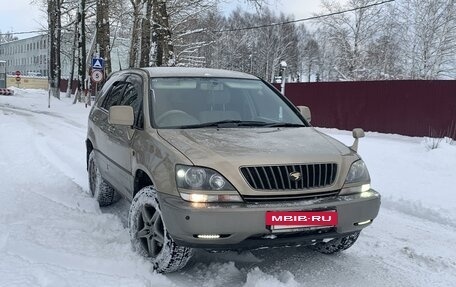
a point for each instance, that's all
(53, 234)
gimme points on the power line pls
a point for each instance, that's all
(303, 19)
(250, 27)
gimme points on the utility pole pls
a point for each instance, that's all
(283, 67)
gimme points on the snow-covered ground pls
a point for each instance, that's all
(52, 233)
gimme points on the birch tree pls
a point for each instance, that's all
(350, 34)
(428, 32)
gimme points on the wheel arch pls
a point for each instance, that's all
(89, 148)
(142, 179)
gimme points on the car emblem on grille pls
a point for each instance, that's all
(295, 176)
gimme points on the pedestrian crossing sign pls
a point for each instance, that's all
(97, 63)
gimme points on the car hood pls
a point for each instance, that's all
(236, 147)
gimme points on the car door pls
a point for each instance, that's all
(120, 137)
(110, 94)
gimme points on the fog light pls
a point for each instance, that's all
(363, 222)
(202, 198)
(208, 236)
(195, 197)
(364, 189)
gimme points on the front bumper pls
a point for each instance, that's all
(242, 225)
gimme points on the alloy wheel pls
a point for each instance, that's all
(151, 231)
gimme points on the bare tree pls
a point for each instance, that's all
(350, 34)
(428, 38)
(146, 36)
(73, 59)
(54, 24)
(82, 54)
(309, 53)
(135, 43)
(104, 33)
(162, 40)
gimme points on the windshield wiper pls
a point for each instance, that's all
(227, 124)
(284, 125)
(239, 123)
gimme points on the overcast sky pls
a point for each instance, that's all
(20, 15)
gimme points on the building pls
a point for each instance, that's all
(29, 56)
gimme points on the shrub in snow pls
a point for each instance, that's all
(436, 137)
(432, 143)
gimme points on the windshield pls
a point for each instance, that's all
(218, 102)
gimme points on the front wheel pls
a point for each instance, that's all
(99, 188)
(149, 236)
(336, 244)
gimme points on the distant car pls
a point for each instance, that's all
(34, 74)
(220, 160)
(6, 92)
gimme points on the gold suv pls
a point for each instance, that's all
(220, 160)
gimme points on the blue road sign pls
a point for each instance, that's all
(97, 63)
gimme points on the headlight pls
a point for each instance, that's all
(199, 178)
(358, 173)
(195, 177)
(203, 185)
(358, 180)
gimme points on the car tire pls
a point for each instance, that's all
(149, 236)
(337, 244)
(99, 188)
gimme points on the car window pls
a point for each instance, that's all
(182, 102)
(114, 96)
(269, 108)
(107, 87)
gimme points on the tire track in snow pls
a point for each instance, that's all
(69, 160)
(46, 113)
(416, 209)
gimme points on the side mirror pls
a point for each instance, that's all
(305, 112)
(121, 115)
(357, 134)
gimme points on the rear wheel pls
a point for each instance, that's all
(99, 188)
(336, 244)
(150, 237)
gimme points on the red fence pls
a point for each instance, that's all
(64, 85)
(414, 108)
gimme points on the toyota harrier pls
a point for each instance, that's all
(220, 160)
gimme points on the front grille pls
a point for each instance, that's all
(277, 177)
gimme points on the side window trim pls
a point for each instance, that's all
(101, 100)
(137, 82)
(128, 81)
(108, 95)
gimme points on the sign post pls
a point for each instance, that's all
(18, 78)
(97, 74)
